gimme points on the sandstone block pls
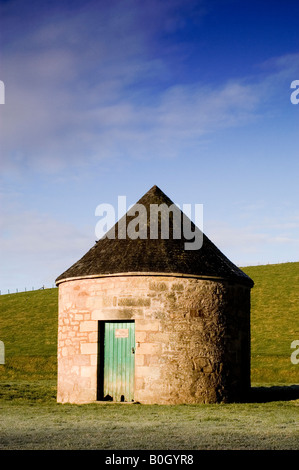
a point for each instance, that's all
(134, 301)
(147, 372)
(157, 336)
(140, 336)
(111, 314)
(90, 325)
(93, 337)
(89, 348)
(145, 325)
(82, 359)
(149, 348)
(87, 371)
(139, 359)
(93, 359)
(158, 286)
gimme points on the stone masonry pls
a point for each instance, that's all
(192, 336)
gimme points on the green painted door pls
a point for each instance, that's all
(119, 360)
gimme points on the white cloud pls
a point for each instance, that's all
(257, 243)
(90, 83)
(74, 93)
(36, 248)
(55, 130)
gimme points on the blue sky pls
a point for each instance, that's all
(104, 99)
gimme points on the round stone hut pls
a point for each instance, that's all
(147, 320)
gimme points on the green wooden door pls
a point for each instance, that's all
(119, 360)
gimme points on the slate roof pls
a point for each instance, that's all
(115, 256)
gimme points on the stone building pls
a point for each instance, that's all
(146, 320)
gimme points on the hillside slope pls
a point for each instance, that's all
(28, 327)
(274, 322)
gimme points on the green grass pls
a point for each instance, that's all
(30, 418)
(28, 323)
(274, 322)
(28, 327)
(33, 420)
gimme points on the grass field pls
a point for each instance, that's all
(274, 322)
(30, 418)
(33, 420)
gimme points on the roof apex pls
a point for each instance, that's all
(126, 255)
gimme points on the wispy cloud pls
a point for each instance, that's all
(91, 84)
(257, 240)
(37, 246)
(78, 90)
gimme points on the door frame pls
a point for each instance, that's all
(101, 359)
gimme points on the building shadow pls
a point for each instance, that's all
(274, 393)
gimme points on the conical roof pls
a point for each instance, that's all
(126, 255)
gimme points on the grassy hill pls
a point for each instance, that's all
(28, 327)
(274, 322)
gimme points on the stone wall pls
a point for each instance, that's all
(192, 337)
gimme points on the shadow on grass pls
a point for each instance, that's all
(274, 393)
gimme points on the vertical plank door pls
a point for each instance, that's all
(119, 360)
